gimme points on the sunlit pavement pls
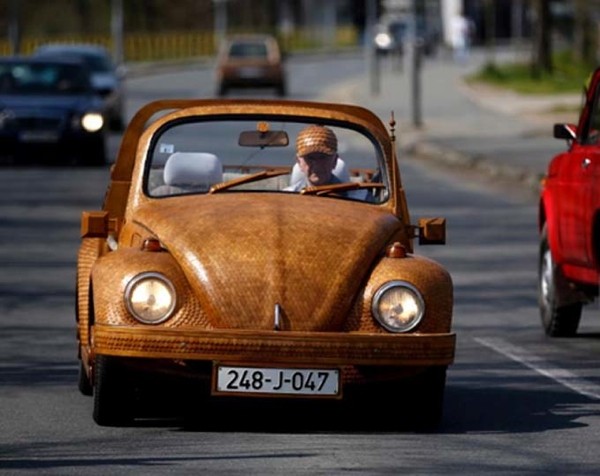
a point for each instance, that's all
(500, 133)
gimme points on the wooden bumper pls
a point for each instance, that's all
(272, 346)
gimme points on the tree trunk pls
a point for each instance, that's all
(542, 38)
(584, 32)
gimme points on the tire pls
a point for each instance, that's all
(557, 320)
(428, 400)
(281, 90)
(117, 124)
(113, 393)
(414, 403)
(83, 382)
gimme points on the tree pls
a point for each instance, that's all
(584, 32)
(542, 38)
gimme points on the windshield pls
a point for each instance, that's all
(248, 50)
(266, 154)
(43, 78)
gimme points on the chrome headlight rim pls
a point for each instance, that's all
(131, 285)
(394, 284)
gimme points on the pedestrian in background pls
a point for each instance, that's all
(461, 31)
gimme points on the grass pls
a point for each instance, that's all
(569, 76)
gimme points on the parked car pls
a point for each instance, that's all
(49, 112)
(107, 79)
(251, 61)
(204, 265)
(392, 33)
(569, 221)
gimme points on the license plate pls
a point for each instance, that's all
(281, 381)
(39, 136)
(249, 72)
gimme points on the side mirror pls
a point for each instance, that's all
(432, 231)
(121, 71)
(565, 131)
(94, 224)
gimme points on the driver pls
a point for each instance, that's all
(316, 155)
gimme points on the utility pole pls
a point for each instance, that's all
(415, 64)
(116, 27)
(14, 27)
(370, 53)
(220, 21)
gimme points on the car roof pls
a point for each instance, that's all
(252, 38)
(72, 48)
(40, 60)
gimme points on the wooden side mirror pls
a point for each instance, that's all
(432, 231)
(94, 224)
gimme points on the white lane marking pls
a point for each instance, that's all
(541, 366)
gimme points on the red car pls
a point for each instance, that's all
(569, 221)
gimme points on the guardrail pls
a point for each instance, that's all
(178, 45)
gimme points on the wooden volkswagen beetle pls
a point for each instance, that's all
(209, 262)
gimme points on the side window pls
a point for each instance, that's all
(591, 133)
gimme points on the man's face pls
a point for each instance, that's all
(317, 167)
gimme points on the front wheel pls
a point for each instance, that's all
(558, 320)
(113, 393)
(428, 403)
(83, 382)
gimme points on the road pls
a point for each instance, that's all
(516, 402)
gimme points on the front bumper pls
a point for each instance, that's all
(310, 348)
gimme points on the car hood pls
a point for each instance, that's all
(104, 81)
(31, 105)
(243, 255)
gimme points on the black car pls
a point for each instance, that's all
(50, 112)
(107, 79)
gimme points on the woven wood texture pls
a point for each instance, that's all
(244, 255)
(89, 251)
(282, 347)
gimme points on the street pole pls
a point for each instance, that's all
(220, 21)
(371, 54)
(14, 27)
(116, 27)
(415, 52)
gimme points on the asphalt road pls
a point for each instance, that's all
(516, 402)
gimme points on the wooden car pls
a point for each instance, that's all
(221, 258)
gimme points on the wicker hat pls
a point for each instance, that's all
(314, 139)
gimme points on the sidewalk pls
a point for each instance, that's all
(501, 133)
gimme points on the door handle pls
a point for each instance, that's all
(585, 163)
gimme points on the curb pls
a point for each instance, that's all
(478, 163)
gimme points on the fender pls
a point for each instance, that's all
(428, 276)
(108, 299)
(548, 213)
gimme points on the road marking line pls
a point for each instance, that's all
(541, 366)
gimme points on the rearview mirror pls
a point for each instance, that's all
(263, 139)
(432, 231)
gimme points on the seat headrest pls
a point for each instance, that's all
(340, 171)
(199, 170)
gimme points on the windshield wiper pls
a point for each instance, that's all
(263, 174)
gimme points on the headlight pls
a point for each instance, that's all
(398, 306)
(150, 297)
(383, 40)
(92, 121)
